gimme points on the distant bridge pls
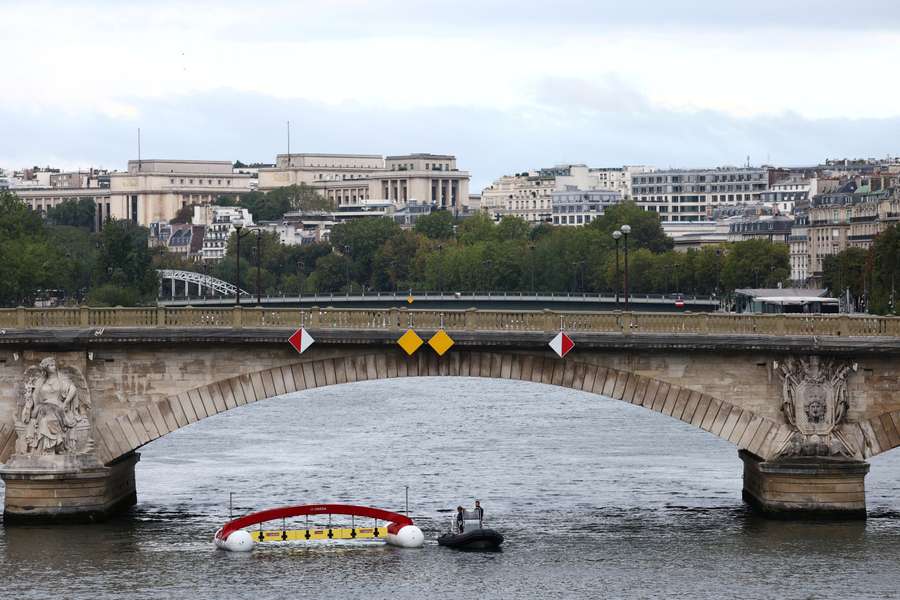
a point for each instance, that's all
(461, 300)
(805, 398)
(204, 285)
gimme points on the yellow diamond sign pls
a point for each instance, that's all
(410, 341)
(441, 342)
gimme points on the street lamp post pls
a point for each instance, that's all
(238, 225)
(625, 229)
(299, 278)
(258, 267)
(347, 257)
(617, 235)
(531, 256)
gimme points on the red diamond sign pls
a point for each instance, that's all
(562, 344)
(301, 340)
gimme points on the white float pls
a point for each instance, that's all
(409, 536)
(237, 541)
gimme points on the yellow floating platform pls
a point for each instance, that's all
(318, 534)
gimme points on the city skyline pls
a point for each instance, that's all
(692, 86)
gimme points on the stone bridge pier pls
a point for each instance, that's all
(803, 411)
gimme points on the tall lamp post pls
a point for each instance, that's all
(625, 229)
(347, 256)
(239, 226)
(258, 267)
(617, 235)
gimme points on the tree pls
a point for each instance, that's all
(125, 260)
(360, 239)
(884, 272)
(74, 213)
(477, 228)
(755, 264)
(438, 225)
(846, 271)
(185, 214)
(646, 230)
(513, 228)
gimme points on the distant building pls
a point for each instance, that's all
(153, 190)
(799, 249)
(352, 179)
(219, 222)
(529, 195)
(768, 228)
(849, 217)
(693, 194)
(572, 206)
(60, 187)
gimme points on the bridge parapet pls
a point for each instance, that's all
(388, 319)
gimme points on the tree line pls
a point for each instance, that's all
(115, 266)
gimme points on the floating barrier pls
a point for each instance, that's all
(398, 529)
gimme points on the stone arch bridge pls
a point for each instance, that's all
(805, 398)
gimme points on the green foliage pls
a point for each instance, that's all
(125, 260)
(74, 213)
(756, 264)
(646, 230)
(846, 271)
(110, 294)
(512, 228)
(438, 225)
(185, 214)
(883, 268)
(273, 205)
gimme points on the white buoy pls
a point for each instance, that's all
(409, 536)
(237, 541)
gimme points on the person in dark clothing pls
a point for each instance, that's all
(479, 511)
(460, 519)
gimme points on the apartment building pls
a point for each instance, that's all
(798, 243)
(219, 222)
(850, 217)
(574, 207)
(529, 195)
(693, 194)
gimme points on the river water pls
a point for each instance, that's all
(597, 498)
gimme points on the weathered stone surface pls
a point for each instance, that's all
(143, 384)
(806, 486)
(75, 494)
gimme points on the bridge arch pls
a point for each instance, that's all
(213, 285)
(125, 433)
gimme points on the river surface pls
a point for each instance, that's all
(597, 498)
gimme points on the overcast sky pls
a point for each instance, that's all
(505, 86)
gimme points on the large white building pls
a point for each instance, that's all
(353, 179)
(155, 190)
(693, 194)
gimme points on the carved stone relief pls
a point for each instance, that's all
(815, 402)
(53, 416)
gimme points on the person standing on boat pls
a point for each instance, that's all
(460, 519)
(479, 512)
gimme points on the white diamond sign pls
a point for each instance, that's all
(562, 344)
(301, 340)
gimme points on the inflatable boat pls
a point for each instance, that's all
(473, 535)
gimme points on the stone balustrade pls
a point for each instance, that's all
(626, 323)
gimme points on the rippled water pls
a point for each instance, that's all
(597, 498)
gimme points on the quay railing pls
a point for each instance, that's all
(625, 323)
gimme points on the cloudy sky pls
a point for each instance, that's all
(505, 86)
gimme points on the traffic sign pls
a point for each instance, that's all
(301, 340)
(410, 341)
(441, 342)
(562, 344)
